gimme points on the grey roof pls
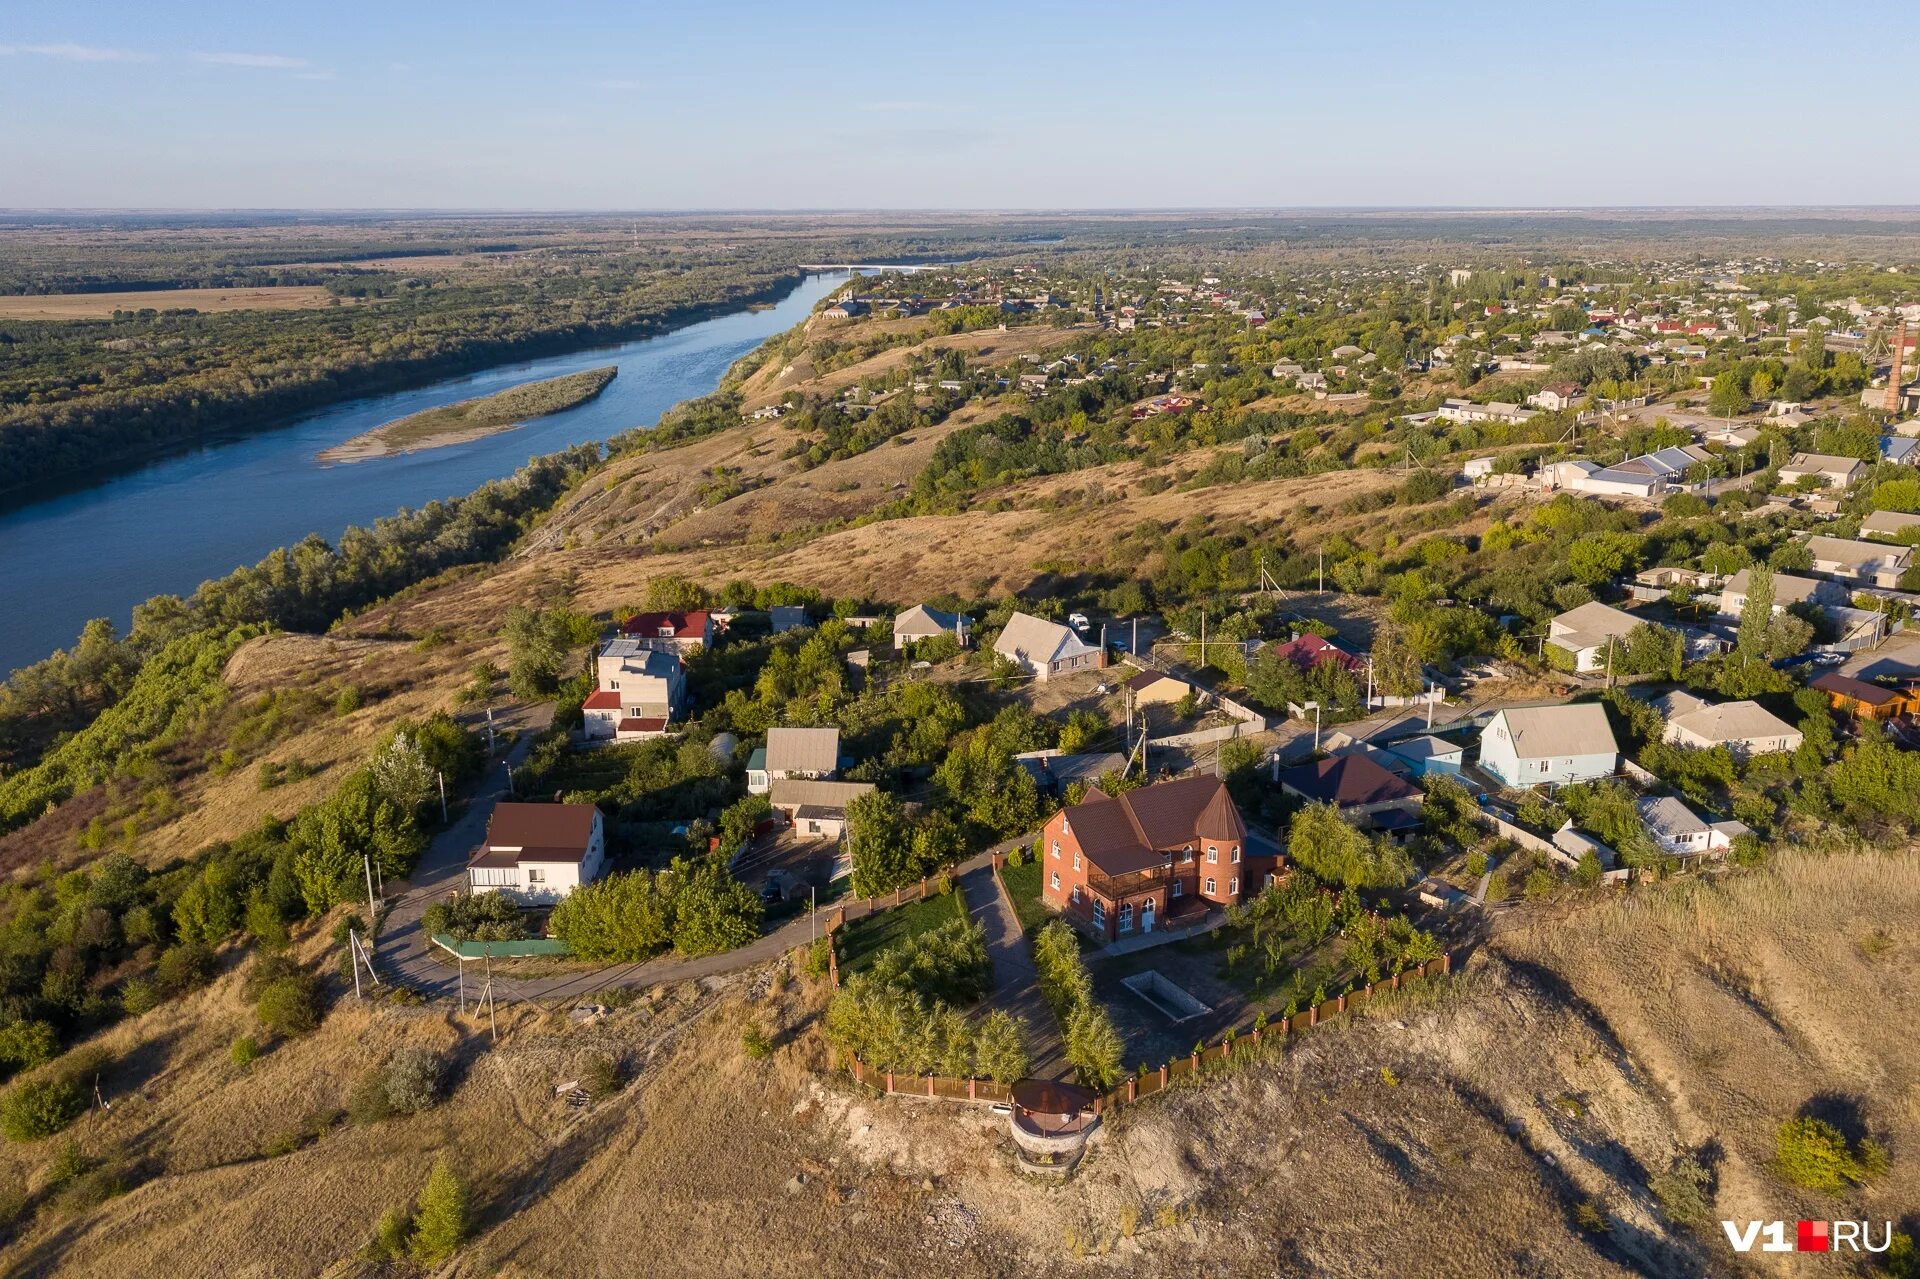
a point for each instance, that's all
(925, 621)
(1787, 587)
(1425, 747)
(1854, 554)
(1542, 732)
(1888, 522)
(1668, 819)
(1730, 721)
(794, 792)
(1591, 625)
(803, 750)
(643, 661)
(1824, 463)
(1037, 641)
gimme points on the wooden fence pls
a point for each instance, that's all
(1148, 1082)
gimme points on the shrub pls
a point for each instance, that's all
(245, 1050)
(392, 1236)
(184, 967)
(1684, 1191)
(289, 1006)
(415, 1080)
(1813, 1153)
(367, 1101)
(139, 995)
(818, 955)
(756, 1044)
(25, 1044)
(475, 917)
(601, 1078)
(39, 1108)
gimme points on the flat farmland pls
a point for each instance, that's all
(99, 306)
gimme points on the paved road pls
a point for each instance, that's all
(1016, 984)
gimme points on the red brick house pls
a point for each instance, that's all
(1148, 859)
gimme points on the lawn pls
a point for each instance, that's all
(861, 940)
(1023, 885)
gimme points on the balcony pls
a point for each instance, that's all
(1116, 887)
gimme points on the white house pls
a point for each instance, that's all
(924, 622)
(1859, 563)
(1044, 649)
(1556, 396)
(1835, 472)
(811, 753)
(1788, 589)
(1589, 632)
(1746, 728)
(1679, 830)
(1889, 526)
(638, 692)
(538, 853)
(1535, 745)
(816, 809)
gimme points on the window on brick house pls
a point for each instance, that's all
(1210, 888)
(1054, 879)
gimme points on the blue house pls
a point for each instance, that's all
(1549, 745)
(1426, 755)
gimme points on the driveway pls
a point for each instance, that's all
(1016, 983)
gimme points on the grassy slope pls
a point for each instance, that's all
(1422, 1131)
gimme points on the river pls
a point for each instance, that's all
(168, 526)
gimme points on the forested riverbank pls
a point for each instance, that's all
(83, 396)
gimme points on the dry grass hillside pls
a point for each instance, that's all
(1507, 1124)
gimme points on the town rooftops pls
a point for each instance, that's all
(1857, 690)
(803, 750)
(1130, 833)
(518, 833)
(1542, 732)
(692, 625)
(1347, 781)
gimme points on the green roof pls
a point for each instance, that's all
(523, 949)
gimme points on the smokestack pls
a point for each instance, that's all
(1899, 364)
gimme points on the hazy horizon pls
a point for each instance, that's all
(603, 107)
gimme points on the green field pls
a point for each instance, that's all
(863, 939)
(1023, 885)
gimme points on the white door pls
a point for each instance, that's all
(1146, 916)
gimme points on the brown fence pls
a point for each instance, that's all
(865, 906)
(1251, 1039)
(1148, 1082)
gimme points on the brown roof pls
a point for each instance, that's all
(1857, 690)
(1348, 781)
(536, 832)
(1124, 834)
(1146, 679)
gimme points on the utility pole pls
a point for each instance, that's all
(373, 908)
(1323, 571)
(441, 774)
(510, 780)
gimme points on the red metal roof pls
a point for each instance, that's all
(1310, 650)
(603, 700)
(1130, 832)
(676, 625)
(642, 724)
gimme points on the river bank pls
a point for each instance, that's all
(168, 526)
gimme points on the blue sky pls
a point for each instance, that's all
(567, 105)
